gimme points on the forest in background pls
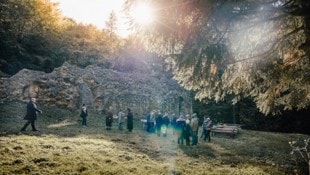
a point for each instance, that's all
(35, 35)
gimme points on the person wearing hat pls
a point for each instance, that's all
(31, 115)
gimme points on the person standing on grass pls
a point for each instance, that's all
(159, 122)
(109, 119)
(194, 127)
(165, 124)
(207, 126)
(180, 125)
(31, 114)
(148, 122)
(187, 130)
(120, 119)
(84, 115)
(129, 120)
(174, 122)
(153, 116)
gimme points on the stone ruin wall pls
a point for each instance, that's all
(70, 86)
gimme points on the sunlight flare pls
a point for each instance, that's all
(143, 14)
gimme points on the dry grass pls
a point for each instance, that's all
(64, 147)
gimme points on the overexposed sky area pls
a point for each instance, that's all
(94, 12)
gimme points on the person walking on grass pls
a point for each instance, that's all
(129, 120)
(84, 115)
(31, 115)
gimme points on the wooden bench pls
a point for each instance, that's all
(229, 130)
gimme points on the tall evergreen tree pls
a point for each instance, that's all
(246, 48)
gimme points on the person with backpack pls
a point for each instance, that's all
(83, 115)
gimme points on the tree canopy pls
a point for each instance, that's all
(252, 48)
(35, 35)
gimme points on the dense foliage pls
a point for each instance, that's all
(35, 35)
(257, 49)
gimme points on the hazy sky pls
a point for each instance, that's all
(94, 12)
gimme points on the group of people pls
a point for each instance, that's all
(32, 110)
(109, 118)
(185, 127)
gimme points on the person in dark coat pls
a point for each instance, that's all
(174, 123)
(129, 120)
(180, 127)
(159, 122)
(31, 115)
(109, 119)
(84, 115)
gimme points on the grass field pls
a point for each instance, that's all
(64, 147)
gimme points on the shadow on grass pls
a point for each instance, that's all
(198, 151)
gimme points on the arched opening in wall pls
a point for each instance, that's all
(31, 91)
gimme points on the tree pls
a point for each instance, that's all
(249, 48)
(115, 43)
(35, 35)
(111, 24)
(27, 30)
